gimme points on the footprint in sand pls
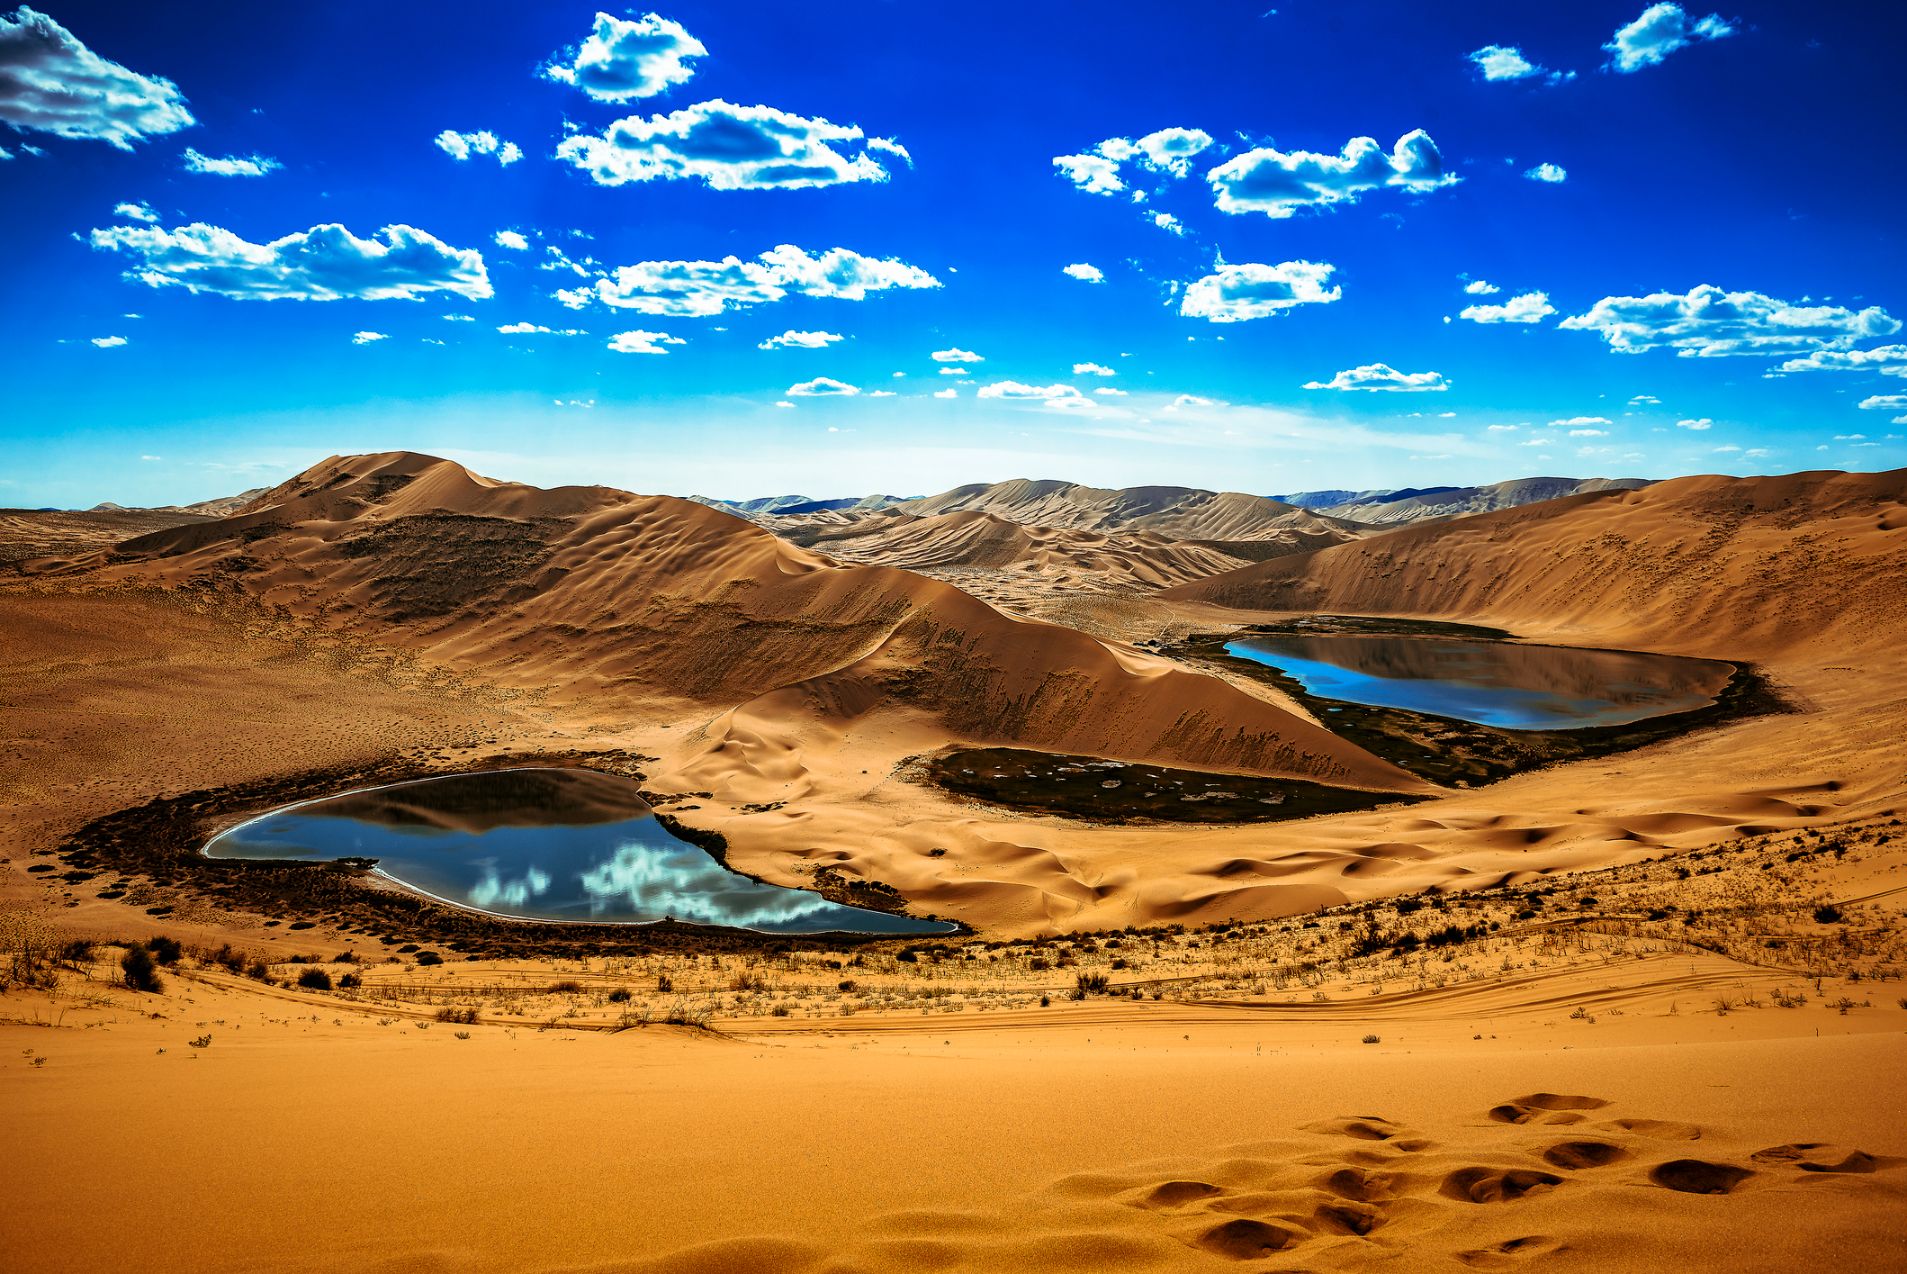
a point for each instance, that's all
(1699, 1176)
(1496, 1185)
(1545, 1108)
(1249, 1240)
(1576, 1155)
(1511, 1252)
(1815, 1156)
(1660, 1129)
(1176, 1194)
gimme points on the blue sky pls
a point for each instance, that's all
(244, 237)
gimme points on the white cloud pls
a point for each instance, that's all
(1191, 400)
(1167, 222)
(1711, 323)
(140, 211)
(460, 318)
(622, 60)
(1237, 293)
(880, 393)
(109, 342)
(946, 393)
(1888, 360)
(369, 338)
(1279, 184)
(1589, 433)
(324, 263)
(461, 146)
(1017, 391)
(1379, 376)
(702, 288)
(1107, 391)
(1477, 287)
(956, 355)
(1092, 369)
(1645, 400)
(1551, 173)
(1578, 421)
(1700, 426)
(1169, 151)
(792, 339)
(823, 387)
(640, 342)
(512, 240)
(52, 83)
(729, 147)
(1530, 307)
(1504, 62)
(954, 371)
(1084, 273)
(537, 329)
(1502, 429)
(229, 165)
(1884, 402)
(1660, 31)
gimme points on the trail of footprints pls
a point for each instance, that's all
(1283, 1196)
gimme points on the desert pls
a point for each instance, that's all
(869, 638)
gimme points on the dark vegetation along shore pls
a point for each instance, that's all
(1464, 753)
(152, 854)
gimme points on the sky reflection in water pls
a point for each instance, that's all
(545, 845)
(1503, 684)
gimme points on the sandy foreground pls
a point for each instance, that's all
(1649, 1071)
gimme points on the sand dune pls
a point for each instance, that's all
(1747, 567)
(590, 591)
(1394, 509)
(1180, 513)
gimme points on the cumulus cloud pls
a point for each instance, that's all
(1888, 360)
(1279, 183)
(1504, 62)
(792, 339)
(1167, 222)
(1578, 421)
(946, 393)
(461, 146)
(324, 263)
(1700, 426)
(537, 329)
(1530, 307)
(1660, 31)
(52, 83)
(701, 288)
(1092, 369)
(109, 342)
(640, 342)
(955, 371)
(1169, 151)
(1477, 287)
(1190, 400)
(1380, 376)
(1884, 402)
(1589, 433)
(1107, 391)
(140, 211)
(369, 338)
(1551, 173)
(1017, 391)
(823, 387)
(1710, 323)
(1084, 273)
(729, 147)
(1237, 293)
(229, 165)
(956, 355)
(627, 59)
(512, 240)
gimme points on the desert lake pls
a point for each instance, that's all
(1497, 683)
(544, 844)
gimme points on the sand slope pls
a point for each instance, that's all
(590, 591)
(1748, 567)
(1462, 501)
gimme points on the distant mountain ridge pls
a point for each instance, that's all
(1421, 503)
(780, 504)
(1179, 513)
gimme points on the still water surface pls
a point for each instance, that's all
(544, 845)
(1497, 683)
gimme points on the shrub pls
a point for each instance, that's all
(664, 983)
(1373, 1039)
(845, 984)
(1827, 914)
(464, 1015)
(429, 957)
(138, 971)
(164, 950)
(619, 996)
(1087, 983)
(350, 981)
(568, 986)
(315, 980)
